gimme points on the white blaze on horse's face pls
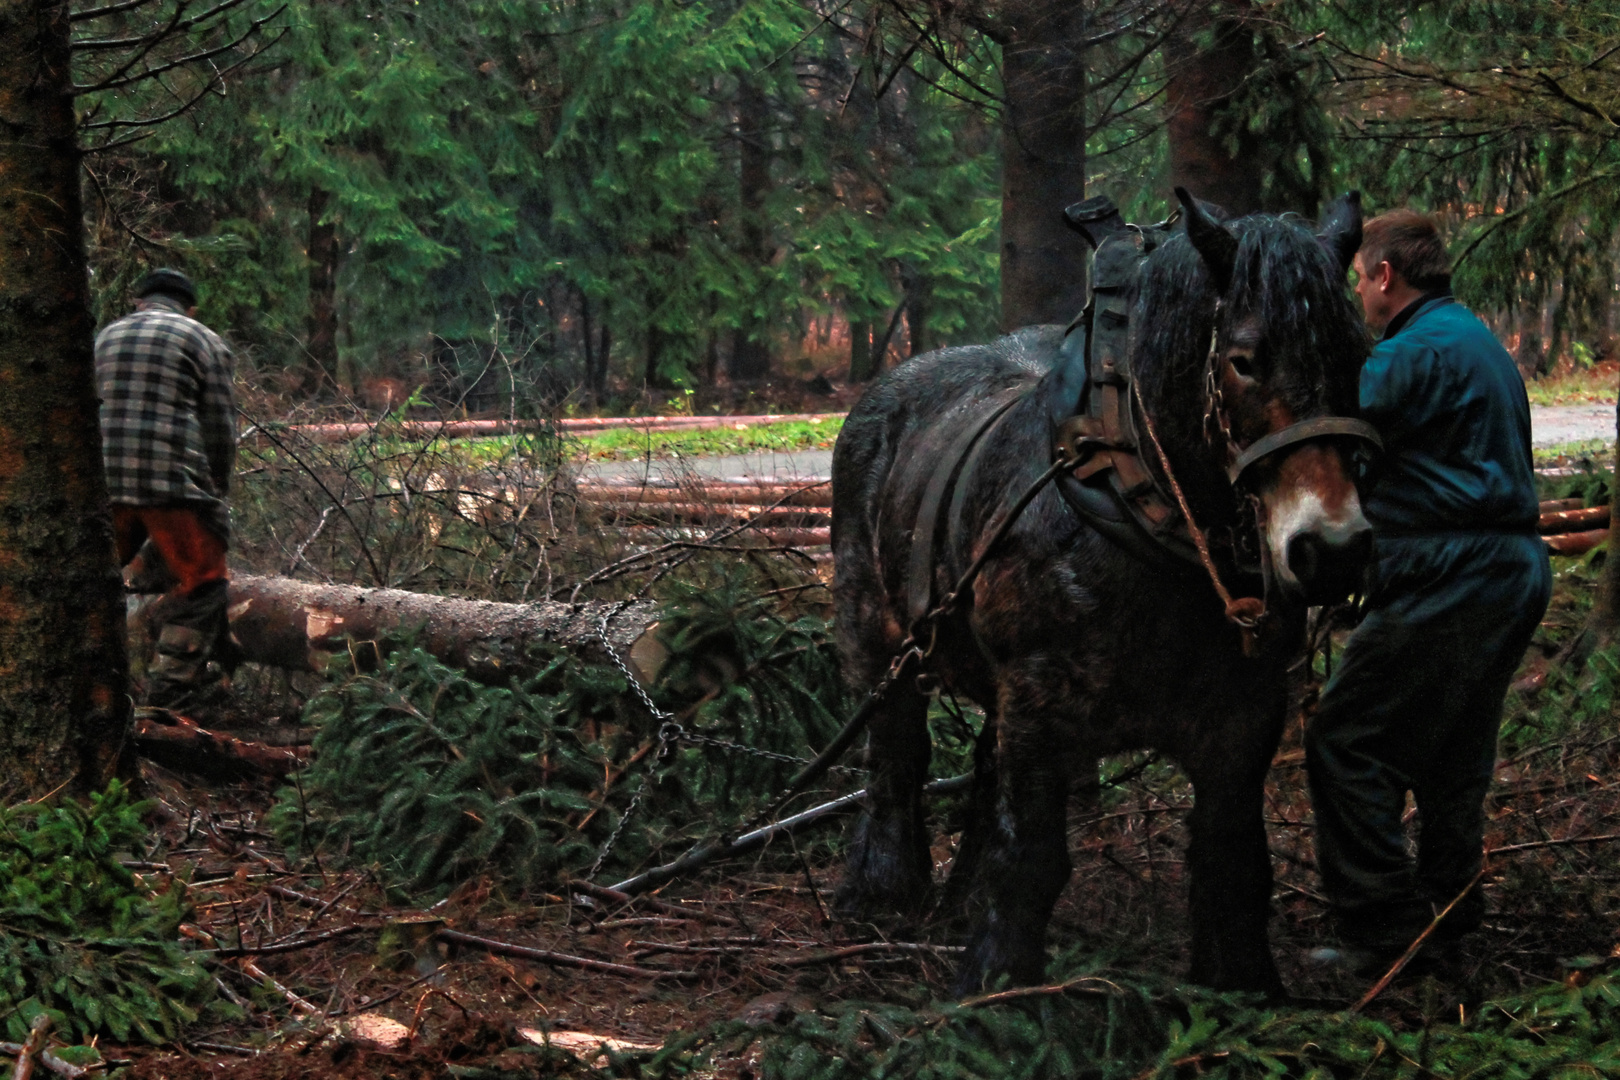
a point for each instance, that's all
(1318, 538)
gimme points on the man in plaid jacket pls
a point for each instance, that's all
(168, 437)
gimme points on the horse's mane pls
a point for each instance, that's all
(1283, 276)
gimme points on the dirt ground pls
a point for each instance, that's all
(328, 952)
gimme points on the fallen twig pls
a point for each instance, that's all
(868, 947)
(30, 1049)
(293, 946)
(1417, 943)
(709, 852)
(1085, 984)
(1565, 842)
(602, 892)
(556, 959)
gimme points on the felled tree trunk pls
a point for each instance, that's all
(302, 626)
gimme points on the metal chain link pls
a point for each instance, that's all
(670, 733)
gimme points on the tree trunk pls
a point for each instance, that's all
(860, 352)
(1209, 59)
(1043, 264)
(916, 305)
(295, 624)
(1604, 619)
(323, 257)
(750, 352)
(64, 705)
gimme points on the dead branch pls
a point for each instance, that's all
(1565, 842)
(556, 959)
(704, 854)
(294, 946)
(174, 740)
(614, 896)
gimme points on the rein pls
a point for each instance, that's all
(1247, 613)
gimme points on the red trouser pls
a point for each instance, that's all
(195, 627)
(194, 552)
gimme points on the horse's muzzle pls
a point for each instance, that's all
(1318, 537)
(1328, 566)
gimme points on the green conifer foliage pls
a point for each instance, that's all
(438, 779)
(1503, 115)
(486, 162)
(79, 936)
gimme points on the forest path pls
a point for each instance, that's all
(1550, 425)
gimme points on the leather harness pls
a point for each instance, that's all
(1111, 486)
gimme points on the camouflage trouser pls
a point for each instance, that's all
(194, 649)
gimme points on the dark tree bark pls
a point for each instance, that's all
(323, 259)
(1209, 58)
(64, 705)
(1043, 264)
(916, 305)
(750, 350)
(1603, 622)
(860, 352)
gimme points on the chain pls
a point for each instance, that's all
(671, 732)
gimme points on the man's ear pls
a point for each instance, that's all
(1384, 276)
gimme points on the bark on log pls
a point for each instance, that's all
(1563, 521)
(177, 742)
(299, 625)
(699, 513)
(818, 495)
(1576, 543)
(475, 429)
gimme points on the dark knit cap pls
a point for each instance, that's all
(169, 283)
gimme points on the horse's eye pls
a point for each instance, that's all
(1242, 366)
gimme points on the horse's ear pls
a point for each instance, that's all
(1217, 246)
(1340, 231)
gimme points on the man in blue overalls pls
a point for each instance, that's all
(1460, 584)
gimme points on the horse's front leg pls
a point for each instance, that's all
(1230, 870)
(889, 869)
(1026, 863)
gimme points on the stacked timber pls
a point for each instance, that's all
(1571, 528)
(797, 514)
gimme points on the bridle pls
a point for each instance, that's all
(1247, 613)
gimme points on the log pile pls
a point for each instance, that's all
(1571, 528)
(781, 514)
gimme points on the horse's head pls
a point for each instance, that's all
(1259, 381)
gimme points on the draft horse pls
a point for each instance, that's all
(1233, 400)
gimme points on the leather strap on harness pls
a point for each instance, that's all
(925, 533)
(1304, 431)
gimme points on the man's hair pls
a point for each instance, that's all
(1410, 242)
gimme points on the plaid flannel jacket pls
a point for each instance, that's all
(168, 414)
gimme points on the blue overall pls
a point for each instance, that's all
(1460, 584)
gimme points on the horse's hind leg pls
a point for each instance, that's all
(963, 893)
(1027, 860)
(888, 870)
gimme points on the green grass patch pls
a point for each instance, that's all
(1590, 384)
(1581, 454)
(628, 444)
